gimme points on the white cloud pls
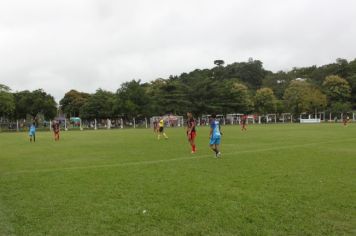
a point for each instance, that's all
(86, 44)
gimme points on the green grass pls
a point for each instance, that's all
(271, 180)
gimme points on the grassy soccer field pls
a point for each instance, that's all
(271, 180)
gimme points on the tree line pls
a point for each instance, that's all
(243, 87)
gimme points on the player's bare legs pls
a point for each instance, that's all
(192, 142)
(216, 149)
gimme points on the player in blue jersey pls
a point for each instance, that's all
(215, 135)
(32, 132)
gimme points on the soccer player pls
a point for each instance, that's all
(215, 136)
(155, 126)
(191, 132)
(32, 132)
(346, 120)
(56, 129)
(243, 123)
(161, 129)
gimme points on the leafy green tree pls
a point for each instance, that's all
(132, 100)
(4, 88)
(153, 91)
(178, 95)
(221, 89)
(219, 62)
(316, 99)
(214, 94)
(295, 95)
(278, 82)
(280, 106)
(337, 89)
(251, 73)
(172, 98)
(265, 101)
(340, 107)
(23, 103)
(302, 96)
(237, 98)
(99, 105)
(316, 75)
(343, 69)
(34, 103)
(352, 82)
(43, 103)
(199, 88)
(72, 102)
(7, 102)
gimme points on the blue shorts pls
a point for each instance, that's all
(215, 141)
(31, 133)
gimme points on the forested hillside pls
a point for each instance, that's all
(244, 87)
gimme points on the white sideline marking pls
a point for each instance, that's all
(168, 160)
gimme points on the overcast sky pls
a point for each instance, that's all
(58, 45)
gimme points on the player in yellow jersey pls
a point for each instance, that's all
(161, 129)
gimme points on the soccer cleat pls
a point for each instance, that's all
(192, 152)
(218, 155)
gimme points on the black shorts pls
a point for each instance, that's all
(160, 129)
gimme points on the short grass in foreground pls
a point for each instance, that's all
(271, 180)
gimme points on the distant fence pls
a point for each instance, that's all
(143, 122)
(113, 123)
(22, 125)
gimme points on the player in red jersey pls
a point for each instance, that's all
(155, 126)
(346, 120)
(56, 129)
(191, 131)
(243, 123)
